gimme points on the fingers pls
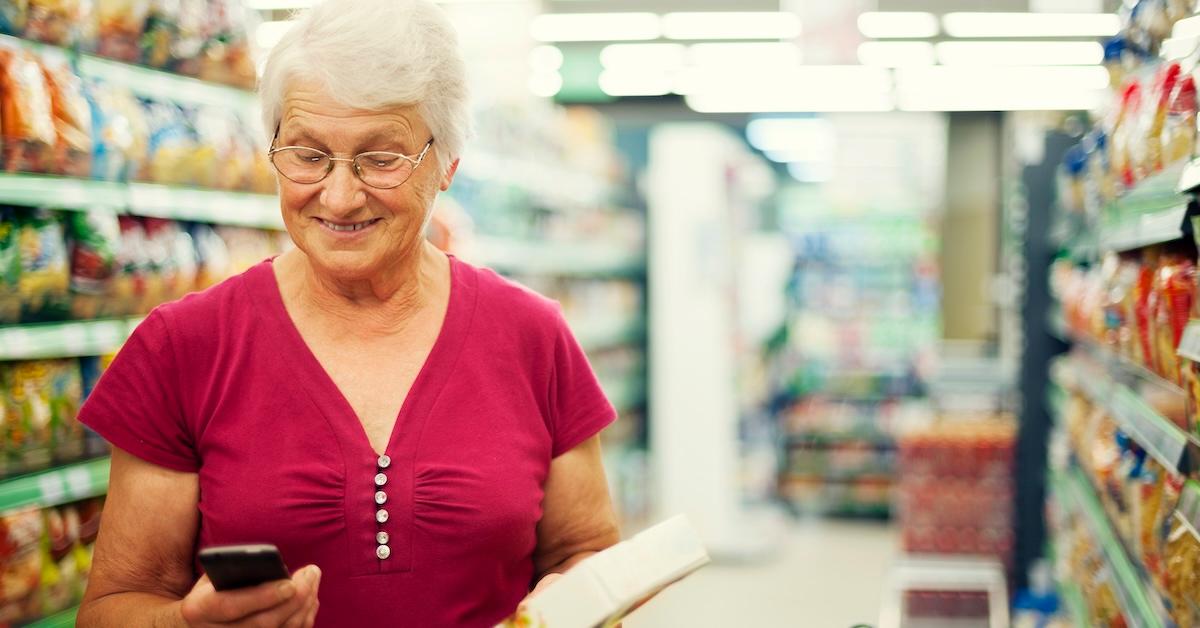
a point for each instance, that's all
(308, 581)
(206, 605)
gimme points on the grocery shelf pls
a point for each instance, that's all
(61, 485)
(1151, 212)
(142, 199)
(216, 206)
(595, 335)
(875, 438)
(65, 340)
(65, 619)
(1139, 602)
(1156, 434)
(1076, 606)
(536, 257)
(562, 188)
(160, 85)
(1188, 508)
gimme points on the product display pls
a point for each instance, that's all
(45, 558)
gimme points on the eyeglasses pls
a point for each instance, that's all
(378, 169)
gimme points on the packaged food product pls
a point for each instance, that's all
(13, 16)
(26, 119)
(66, 397)
(120, 132)
(1071, 190)
(132, 268)
(28, 439)
(56, 21)
(1175, 285)
(227, 52)
(1164, 87)
(1123, 133)
(10, 267)
(72, 118)
(44, 282)
(20, 564)
(171, 144)
(1179, 131)
(212, 256)
(118, 28)
(1182, 555)
(60, 577)
(94, 238)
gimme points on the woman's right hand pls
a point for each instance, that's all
(281, 604)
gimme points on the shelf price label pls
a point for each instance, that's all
(52, 488)
(1156, 434)
(1189, 345)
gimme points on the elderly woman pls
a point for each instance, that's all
(417, 436)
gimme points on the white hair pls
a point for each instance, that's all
(376, 55)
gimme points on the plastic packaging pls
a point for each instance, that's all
(26, 117)
(44, 283)
(72, 119)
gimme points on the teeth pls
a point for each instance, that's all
(354, 227)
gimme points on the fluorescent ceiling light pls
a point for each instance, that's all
(662, 56)
(897, 25)
(1020, 53)
(1031, 24)
(962, 88)
(803, 89)
(634, 83)
(797, 139)
(893, 54)
(545, 84)
(545, 58)
(1187, 27)
(552, 27)
(269, 33)
(749, 58)
(1066, 6)
(731, 25)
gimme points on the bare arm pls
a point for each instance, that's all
(142, 571)
(577, 513)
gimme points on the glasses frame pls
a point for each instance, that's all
(415, 160)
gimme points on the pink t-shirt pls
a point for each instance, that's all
(221, 384)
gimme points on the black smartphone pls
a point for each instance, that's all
(238, 566)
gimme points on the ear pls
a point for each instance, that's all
(448, 178)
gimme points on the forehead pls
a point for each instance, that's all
(311, 110)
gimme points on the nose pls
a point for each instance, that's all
(342, 192)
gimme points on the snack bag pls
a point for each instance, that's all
(20, 564)
(60, 575)
(45, 268)
(13, 16)
(171, 142)
(120, 132)
(212, 256)
(10, 267)
(1175, 285)
(66, 397)
(1164, 87)
(1179, 130)
(72, 119)
(227, 50)
(56, 22)
(94, 238)
(30, 437)
(1182, 554)
(118, 28)
(132, 268)
(26, 114)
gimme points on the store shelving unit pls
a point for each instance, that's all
(1138, 600)
(64, 340)
(65, 619)
(535, 257)
(54, 487)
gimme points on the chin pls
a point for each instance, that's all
(347, 265)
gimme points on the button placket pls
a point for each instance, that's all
(382, 550)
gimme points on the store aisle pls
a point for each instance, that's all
(828, 574)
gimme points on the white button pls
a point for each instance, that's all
(380, 479)
(383, 552)
(382, 538)
(384, 462)
(380, 497)
(381, 516)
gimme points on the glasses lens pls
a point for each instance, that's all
(384, 170)
(302, 165)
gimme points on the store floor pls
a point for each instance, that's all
(828, 574)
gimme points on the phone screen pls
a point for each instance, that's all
(239, 566)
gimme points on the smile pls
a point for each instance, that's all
(357, 226)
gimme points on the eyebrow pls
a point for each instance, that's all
(302, 133)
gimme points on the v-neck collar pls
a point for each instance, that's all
(430, 380)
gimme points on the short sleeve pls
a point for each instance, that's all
(135, 405)
(580, 409)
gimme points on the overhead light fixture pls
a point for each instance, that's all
(897, 24)
(993, 53)
(545, 84)
(634, 83)
(811, 172)
(894, 54)
(662, 56)
(803, 89)
(731, 25)
(1031, 24)
(792, 139)
(962, 88)
(552, 27)
(545, 58)
(759, 56)
(269, 33)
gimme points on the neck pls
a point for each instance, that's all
(383, 304)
